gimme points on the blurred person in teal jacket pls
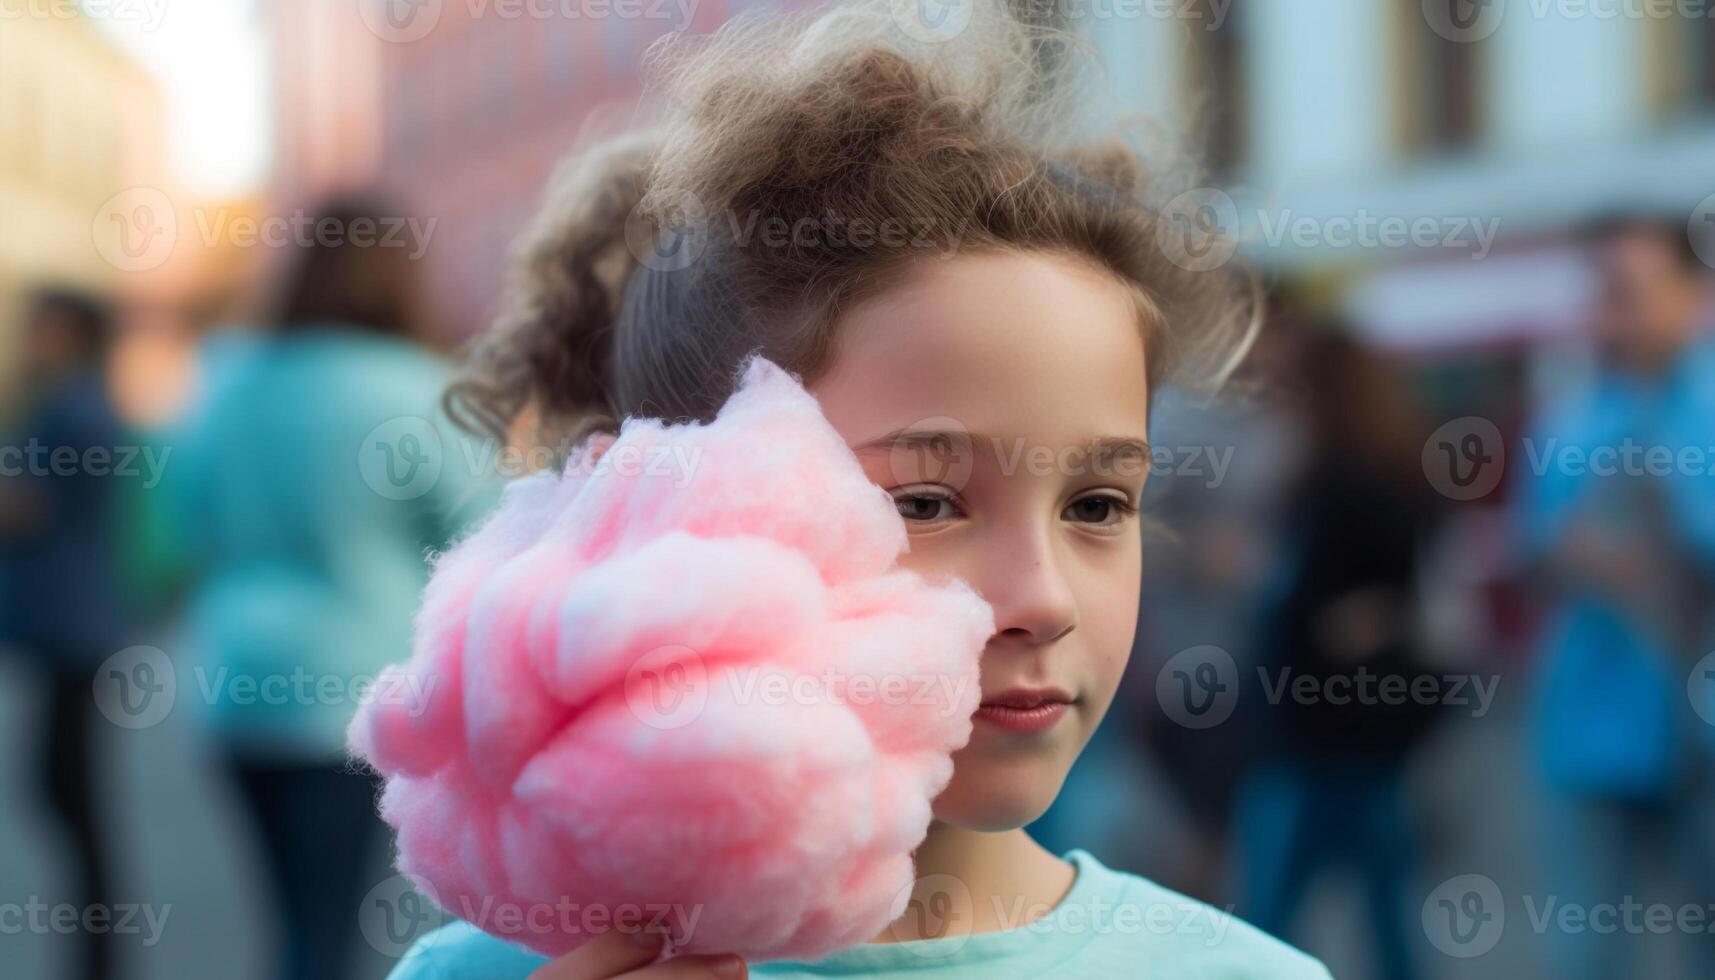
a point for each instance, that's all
(311, 481)
(1615, 516)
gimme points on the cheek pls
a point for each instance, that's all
(1107, 612)
(937, 556)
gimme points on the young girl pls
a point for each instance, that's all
(983, 299)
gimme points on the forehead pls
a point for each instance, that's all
(1023, 345)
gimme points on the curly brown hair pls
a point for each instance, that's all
(804, 163)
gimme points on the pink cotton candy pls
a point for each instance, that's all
(685, 680)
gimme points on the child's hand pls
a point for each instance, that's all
(617, 953)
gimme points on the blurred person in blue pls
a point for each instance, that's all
(61, 593)
(313, 477)
(1615, 517)
(1324, 791)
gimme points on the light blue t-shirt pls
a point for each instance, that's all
(1111, 924)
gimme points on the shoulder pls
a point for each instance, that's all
(1181, 936)
(367, 354)
(365, 379)
(461, 951)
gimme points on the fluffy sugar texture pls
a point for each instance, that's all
(684, 678)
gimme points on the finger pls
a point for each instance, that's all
(726, 966)
(610, 954)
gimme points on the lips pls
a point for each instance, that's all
(1024, 711)
(1024, 698)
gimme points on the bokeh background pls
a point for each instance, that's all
(1425, 674)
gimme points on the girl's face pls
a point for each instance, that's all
(1002, 400)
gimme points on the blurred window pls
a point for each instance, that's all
(1704, 52)
(1218, 65)
(620, 49)
(1679, 60)
(1442, 88)
(403, 118)
(500, 64)
(560, 52)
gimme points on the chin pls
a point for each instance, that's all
(994, 798)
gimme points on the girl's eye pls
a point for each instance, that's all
(925, 508)
(1101, 510)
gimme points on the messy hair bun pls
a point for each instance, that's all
(803, 163)
(547, 353)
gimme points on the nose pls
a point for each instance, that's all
(1024, 581)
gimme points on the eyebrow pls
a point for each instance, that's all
(1104, 450)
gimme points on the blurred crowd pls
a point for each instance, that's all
(273, 558)
(1424, 677)
(1543, 574)
(1328, 608)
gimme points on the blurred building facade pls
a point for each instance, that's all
(79, 123)
(459, 111)
(1331, 120)
(1529, 117)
